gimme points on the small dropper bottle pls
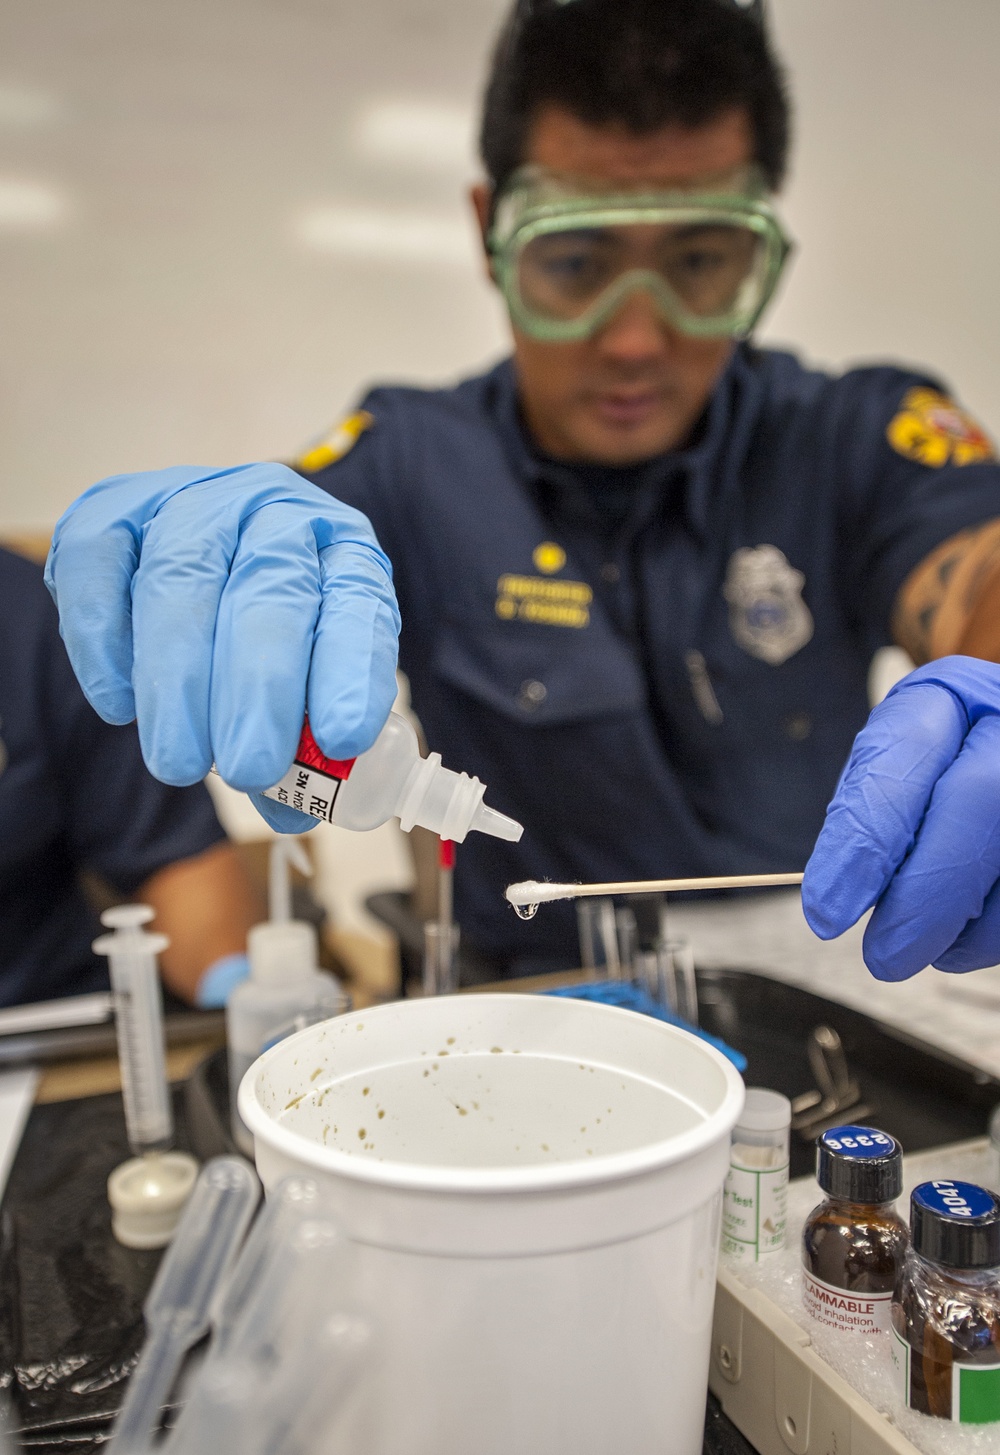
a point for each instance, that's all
(390, 780)
(286, 990)
(854, 1242)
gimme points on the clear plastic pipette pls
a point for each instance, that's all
(288, 1345)
(205, 1245)
(135, 981)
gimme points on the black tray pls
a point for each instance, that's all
(922, 1096)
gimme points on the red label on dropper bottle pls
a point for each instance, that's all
(309, 755)
(313, 781)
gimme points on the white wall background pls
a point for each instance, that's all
(220, 218)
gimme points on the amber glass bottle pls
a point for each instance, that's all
(854, 1242)
(946, 1312)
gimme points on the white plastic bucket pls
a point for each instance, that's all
(532, 1187)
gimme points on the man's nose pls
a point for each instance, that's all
(636, 332)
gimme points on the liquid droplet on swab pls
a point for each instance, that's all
(526, 911)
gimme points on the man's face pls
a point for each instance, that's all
(637, 387)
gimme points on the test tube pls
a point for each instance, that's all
(668, 974)
(440, 958)
(135, 982)
(627, 932)
(598, 929)
(441, 936)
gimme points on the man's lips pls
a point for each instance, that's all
(632, 407)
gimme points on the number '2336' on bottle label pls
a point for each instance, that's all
(859, 1313)
(975, 1388)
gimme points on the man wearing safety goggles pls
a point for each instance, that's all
(642, 566)
(568, 255)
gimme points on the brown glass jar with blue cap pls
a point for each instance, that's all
(946, 1311)
(854, 1242)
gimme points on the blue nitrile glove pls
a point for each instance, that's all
(914, 827)
(214, 607)
(220, 980)
(628, 996)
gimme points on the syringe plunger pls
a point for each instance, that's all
(132, 953)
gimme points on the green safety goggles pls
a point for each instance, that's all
(566, 258)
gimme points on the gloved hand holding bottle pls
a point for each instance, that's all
(914, 827)
(217, 608)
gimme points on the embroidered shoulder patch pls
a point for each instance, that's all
(934, 430)
(335, 445)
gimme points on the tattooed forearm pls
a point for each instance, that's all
(951, 601)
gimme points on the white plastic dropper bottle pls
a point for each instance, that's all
(285, 990)
(391, 779)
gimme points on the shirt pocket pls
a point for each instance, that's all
(541, 675)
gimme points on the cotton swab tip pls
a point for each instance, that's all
(533, 891)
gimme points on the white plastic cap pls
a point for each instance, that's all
(283, 950)
(147, 1196)
(764, 1111)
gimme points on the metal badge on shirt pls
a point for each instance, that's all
(767, 615)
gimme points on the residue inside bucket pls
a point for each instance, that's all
(495, 1107)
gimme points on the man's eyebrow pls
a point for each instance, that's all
(597, 234)
(698, 229)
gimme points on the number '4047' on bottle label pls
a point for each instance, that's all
(755, 1211)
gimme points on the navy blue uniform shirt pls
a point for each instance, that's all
(74, 796)
(660, 670)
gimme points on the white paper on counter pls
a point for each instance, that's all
(17, 1095)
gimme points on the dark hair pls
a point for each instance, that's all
(639, 63)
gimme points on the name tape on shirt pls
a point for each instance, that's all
(336, 444)
(548, 602)
(541, 600)
(932, 429)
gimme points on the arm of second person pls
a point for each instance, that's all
(205, 905)
(950, 603)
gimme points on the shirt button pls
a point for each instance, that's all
(798, 726)
(532, 695)
(610, 573)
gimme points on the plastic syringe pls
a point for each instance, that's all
(135, 982)
(148, 1192)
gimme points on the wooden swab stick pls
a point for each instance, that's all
(534, 892)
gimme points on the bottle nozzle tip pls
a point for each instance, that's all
(488, 821)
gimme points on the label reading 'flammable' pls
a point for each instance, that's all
(865, 1313)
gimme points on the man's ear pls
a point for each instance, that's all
(481, 197)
